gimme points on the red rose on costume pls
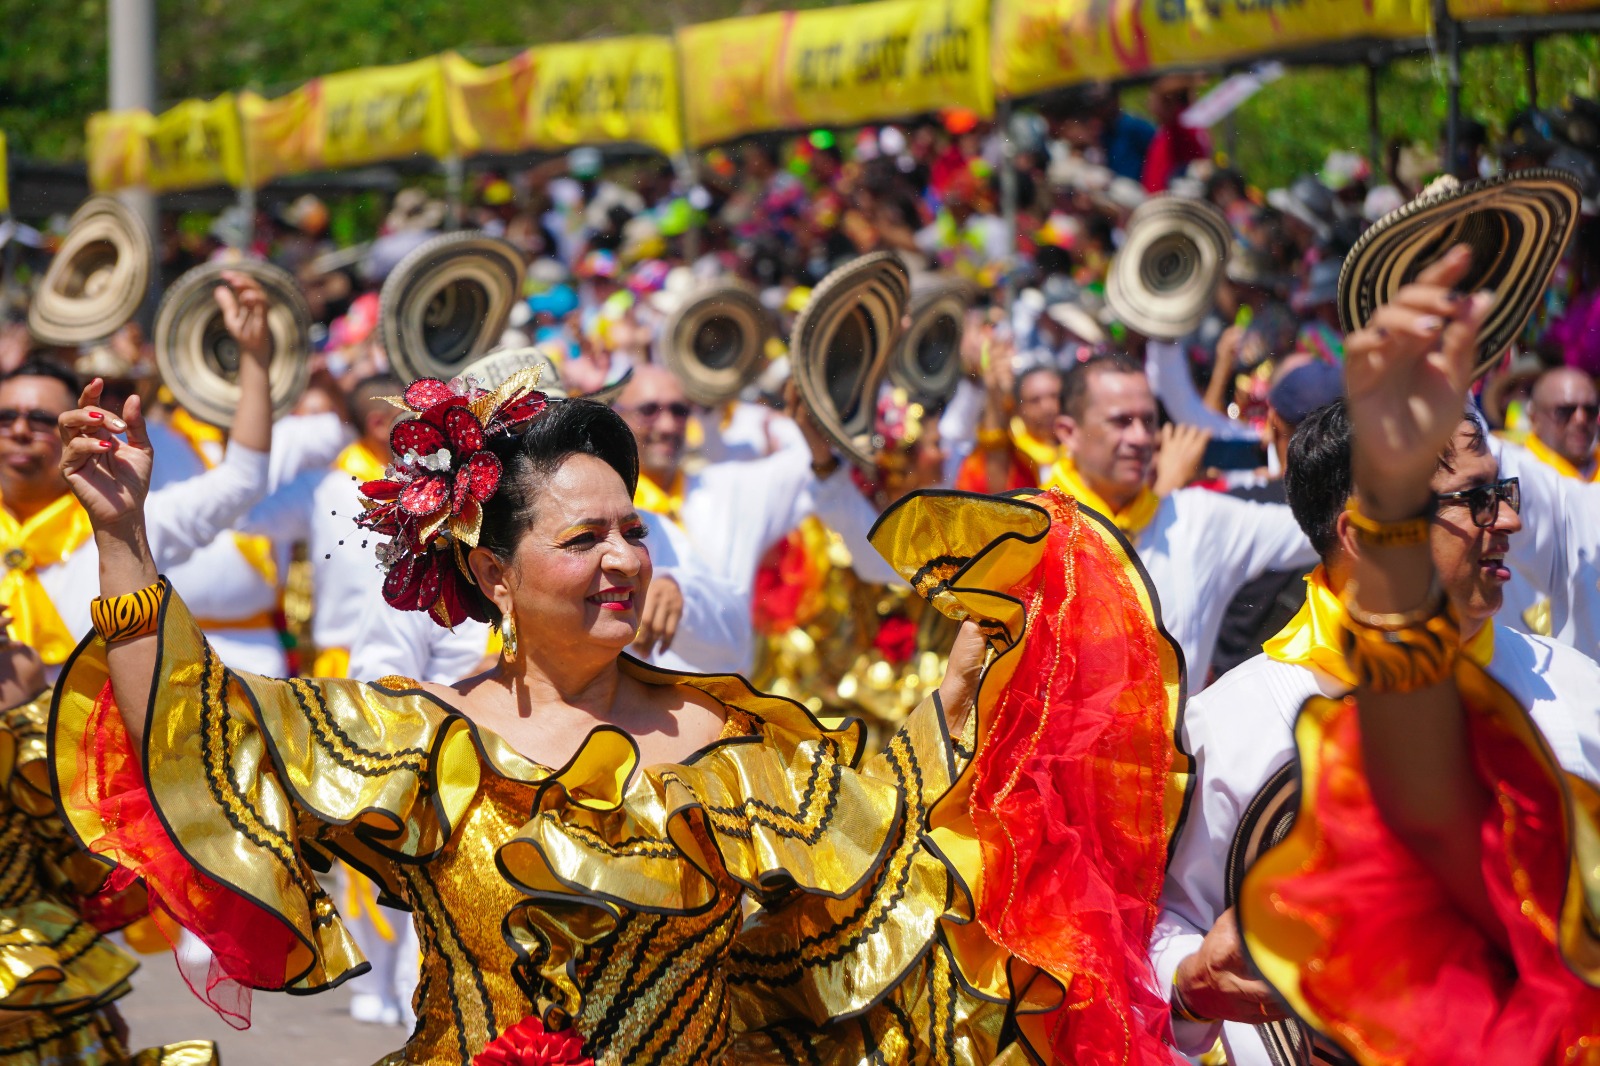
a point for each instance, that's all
(529, 1043)
(896, 640)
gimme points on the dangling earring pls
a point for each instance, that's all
(508, 638)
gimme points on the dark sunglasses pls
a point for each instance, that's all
(650, 411)
(1484, 501)
(40, 423)
(1565, 411)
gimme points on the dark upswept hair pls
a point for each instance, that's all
(529, 459)
(1075, 382)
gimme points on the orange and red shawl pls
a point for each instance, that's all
(1069, 795)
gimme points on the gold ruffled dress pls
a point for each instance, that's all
(779, 897)
(56, 969)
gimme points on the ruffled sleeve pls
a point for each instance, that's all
(867, 871)
(247, 785)
(52, 958)
(1365, 943)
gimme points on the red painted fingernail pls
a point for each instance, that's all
(96, 415)
(105, 445)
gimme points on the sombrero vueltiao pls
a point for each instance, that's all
(841, 344)
(716, 342)
(927, 364)
(447, 302)
(98, 277)
(1164, 277)
(1517, 226)
(199, 360)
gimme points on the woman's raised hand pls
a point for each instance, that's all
(109, 475)
(1406, 378)
(244, 314)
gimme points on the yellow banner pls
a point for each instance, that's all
(5, 177)
(118, 149)
(196, 144)
(1496, 9)
(1046, 44)
(278, 134)
(487, 105)
(382, 113)
(834, 67)
(621, 89)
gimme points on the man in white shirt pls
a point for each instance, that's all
(732, 512)
(1559, 553)
(51, 563)
(1198, 546)
(1240, 732)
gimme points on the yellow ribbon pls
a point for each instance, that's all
(256, 550)
(1312, 636)
(57, 531)
(651, 498)
(1045, 454)
(1559, 463)
(1131, 519)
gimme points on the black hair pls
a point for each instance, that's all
(1316, 478)
(36, 367)
(1037, 368)
(1075, 382)
(529, 459)
(370, 388)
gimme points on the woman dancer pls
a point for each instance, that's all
(550, 876)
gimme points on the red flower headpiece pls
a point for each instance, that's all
(430, 500)
(529, 1043)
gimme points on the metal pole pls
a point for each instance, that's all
(1451, 34)
(455, 181)
(1530, 67)
(247, 208)
(1008, 193)
(1374, 123)
(131, 29)
(683, 166)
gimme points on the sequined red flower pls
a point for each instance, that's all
(430, 500)
(529, 1043)
(896, 640)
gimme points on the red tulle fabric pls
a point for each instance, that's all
(1069, 794)
(249, 946)
(1400, 975)
(529, 1043)
(973, 474)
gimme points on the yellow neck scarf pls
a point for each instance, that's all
(1043, 453)
(28, 547)
(1312, 637)
(1543, 453)
(256, 550)
(360, 463)
(1131, 519)
(651, 498)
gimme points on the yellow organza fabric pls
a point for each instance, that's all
(53, 963)
(45, 539)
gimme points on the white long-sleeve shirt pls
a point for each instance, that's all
(1241, 732)
(1558, 551)
(713, 634)
(1200, 549)
(179, 518)
(218, 583)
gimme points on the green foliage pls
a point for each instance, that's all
(1290, 126)
(53, 64)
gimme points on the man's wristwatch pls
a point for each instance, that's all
(1181, 1010)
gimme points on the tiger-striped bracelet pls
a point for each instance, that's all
(127, 617)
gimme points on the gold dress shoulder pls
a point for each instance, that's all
(54, 963)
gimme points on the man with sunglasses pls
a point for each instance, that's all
(49, 562)
(1240, 731)
(733, 512)
(1565, 415)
